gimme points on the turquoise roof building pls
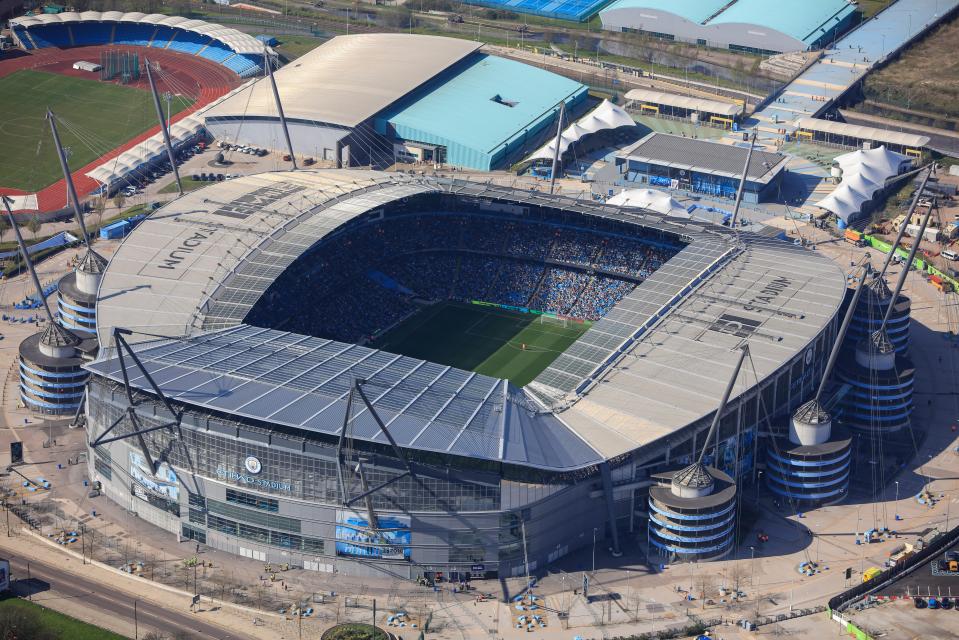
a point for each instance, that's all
(483, 112)
(809, 21)
(755, 26)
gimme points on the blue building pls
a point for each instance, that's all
(479, 113)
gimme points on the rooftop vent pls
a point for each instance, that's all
(498, 99)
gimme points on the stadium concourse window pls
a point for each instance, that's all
(265, 519)
(307, 477)
(753, 50)
(102, 461)
(250, 500)
(265, 536)
(193, 533)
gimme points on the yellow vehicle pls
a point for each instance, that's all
(953, 566)
(871, 573)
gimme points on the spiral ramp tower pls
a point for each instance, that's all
(810, 466)
(879, 374)
(692, 513)
(693, 510)
(869, 313)
(76, 302)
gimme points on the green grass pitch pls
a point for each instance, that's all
(486, 340)
(106, 115)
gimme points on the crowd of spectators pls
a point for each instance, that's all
(331, 291)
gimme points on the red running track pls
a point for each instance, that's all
(204, 79)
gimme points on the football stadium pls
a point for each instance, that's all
(383, 374)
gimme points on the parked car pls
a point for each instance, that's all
(946, 603)
(920, 603)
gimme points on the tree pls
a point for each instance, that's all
(99, 206)
(4, 225)
(33, 226)
(737, 575)
(706, 582)
(119, 200)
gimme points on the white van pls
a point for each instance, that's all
(950, 255)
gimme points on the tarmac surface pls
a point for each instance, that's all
(48, 583)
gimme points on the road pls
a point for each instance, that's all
(108, 600)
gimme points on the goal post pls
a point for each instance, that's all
(554, 321)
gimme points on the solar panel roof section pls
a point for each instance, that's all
(625, 321)
(302, 382)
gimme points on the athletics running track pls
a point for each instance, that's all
(209, 80)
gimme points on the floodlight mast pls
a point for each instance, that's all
(559, 137)
(71, 190)
(163, 127)
(742, 181)
(743, 352)
(837, 345)
(902, 228)
(912, 254)
(26, 258)
(279, 105)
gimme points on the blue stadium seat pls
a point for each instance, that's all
(21, 34)
(243, 66)
(217, 52)
(91, 33)
(162, 36)
(188, 42)
(58, 34)
(132, 34)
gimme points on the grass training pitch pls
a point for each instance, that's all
(486, 340)
(105, 115)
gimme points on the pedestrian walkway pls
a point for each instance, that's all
(849, 60)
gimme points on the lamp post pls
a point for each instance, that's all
(594, 549)
(752, 562)
(897, 500)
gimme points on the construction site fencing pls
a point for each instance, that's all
(936, 546)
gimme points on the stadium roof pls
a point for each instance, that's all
(693, 10)
(684, 102)
(348, 79)
(804, 20)
(303, 382)
(655, 364)
(863, 133)
(483, 105)
(240, 42)
(705, 156)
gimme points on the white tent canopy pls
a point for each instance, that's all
(238, 41)
(864, 172)
(605, 116)
(658, 201)
(153, 147)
